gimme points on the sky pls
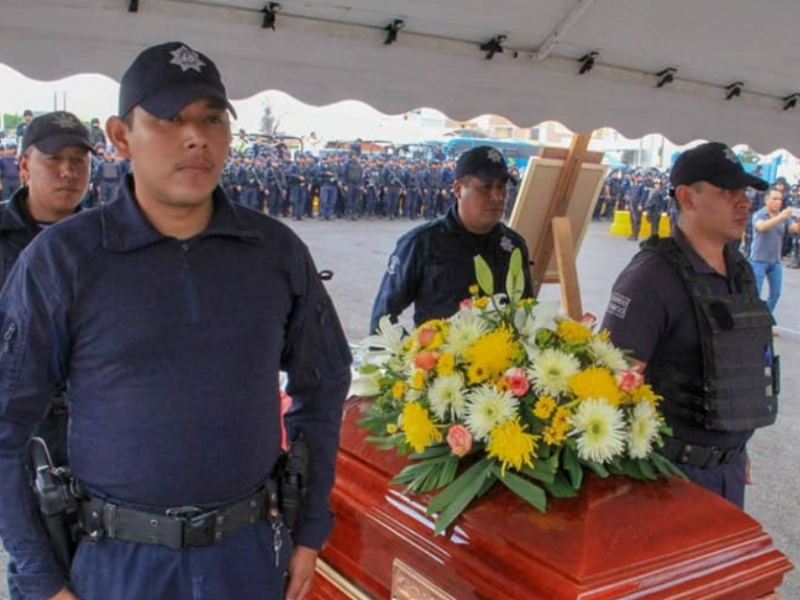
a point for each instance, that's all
(90, 96)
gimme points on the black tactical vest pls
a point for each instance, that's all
(741, 375)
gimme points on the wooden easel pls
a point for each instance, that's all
(555, 234)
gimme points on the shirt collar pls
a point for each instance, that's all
(453, 223)
(126, 228)
(732, 256)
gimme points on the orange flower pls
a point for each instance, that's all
(426, 360)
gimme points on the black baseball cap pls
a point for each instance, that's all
(715, 163)
(485, 163)
(165, 78)
(52, 132)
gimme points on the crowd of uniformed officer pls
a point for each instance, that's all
(348, 184)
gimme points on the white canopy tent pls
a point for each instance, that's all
(324, 51)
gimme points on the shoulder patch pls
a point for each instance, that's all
(618, 305)
(394, 262)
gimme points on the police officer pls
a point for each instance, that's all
(56, 163)
(27, 117)
(9, 171)
(433, 264)
(329, 188)
(352, 185)
(169, 314)
(276, 188)
(392, 180)
(96, 133)
(687, 308)
(107, 177)
(638, 196)
(248, 183)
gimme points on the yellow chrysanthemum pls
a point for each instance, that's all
(446, 364)
(408, 344)
(398, 389)
(604, 336)
(477, 374)
(511, 445)
(420, 430)
(481, 302)
(391, 429)
(418, 379)
(545, 406)
(596, 382)
(551, 437)
(492, 354)
(562, 421)
(573, 333)
(473, 289)
(502, 385)
(645, 393)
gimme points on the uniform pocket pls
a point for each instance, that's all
(11, 346)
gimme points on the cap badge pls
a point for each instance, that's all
(65, 121)
(506, 244)
(731, 156)
(494, 156)
(187, 59)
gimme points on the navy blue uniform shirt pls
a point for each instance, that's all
(651, 314)
(17, 230)
(433, 267)
(171, 351)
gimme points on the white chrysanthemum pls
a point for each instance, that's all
(600, 428)
(366, 385)
(412, 395)
(551, 371)
(607, 355)
(465, 329)
(447, 397)
(644, 429)
(487, 407)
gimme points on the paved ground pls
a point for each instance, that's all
(358, 253)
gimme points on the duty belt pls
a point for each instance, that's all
(705, 457)
(180, 527)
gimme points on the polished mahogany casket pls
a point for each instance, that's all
(619, 539)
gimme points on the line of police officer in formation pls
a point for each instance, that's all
(348, 184)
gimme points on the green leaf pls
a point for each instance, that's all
(484, 275)
(375, 425)
(368, 368)
(596, 468)
(476, 471)
(385, 443)
(666, 467)
(515, 282)
(449, 471)
(461, 500)
(647, 470)
(542, 470)
(561, 487)
(530, 492)
(573, 467)
(432, 452)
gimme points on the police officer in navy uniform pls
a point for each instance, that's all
(9, 171)
(56, 163)
(433, 265)
(687, 308)
(168, 314)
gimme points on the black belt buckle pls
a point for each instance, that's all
(197, 526)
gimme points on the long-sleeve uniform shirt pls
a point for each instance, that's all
(170, 350)
(17, 230)
(433, 267)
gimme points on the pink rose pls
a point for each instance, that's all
(466, 303)
(628, 380)
(589, 319)
(517, 381)
(426, 360)
(459, 440)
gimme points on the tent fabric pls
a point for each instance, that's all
(324, 51)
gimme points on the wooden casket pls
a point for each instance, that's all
(620, 539)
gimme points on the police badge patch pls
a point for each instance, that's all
(506, 244)
(731, 156)
(186, 59)
(66, 121)
(494, 156)
(618, 305)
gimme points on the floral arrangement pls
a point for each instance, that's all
(514, 393)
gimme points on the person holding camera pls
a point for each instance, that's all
(770, 225)
(168, 315)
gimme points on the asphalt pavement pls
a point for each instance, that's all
(358, 252)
